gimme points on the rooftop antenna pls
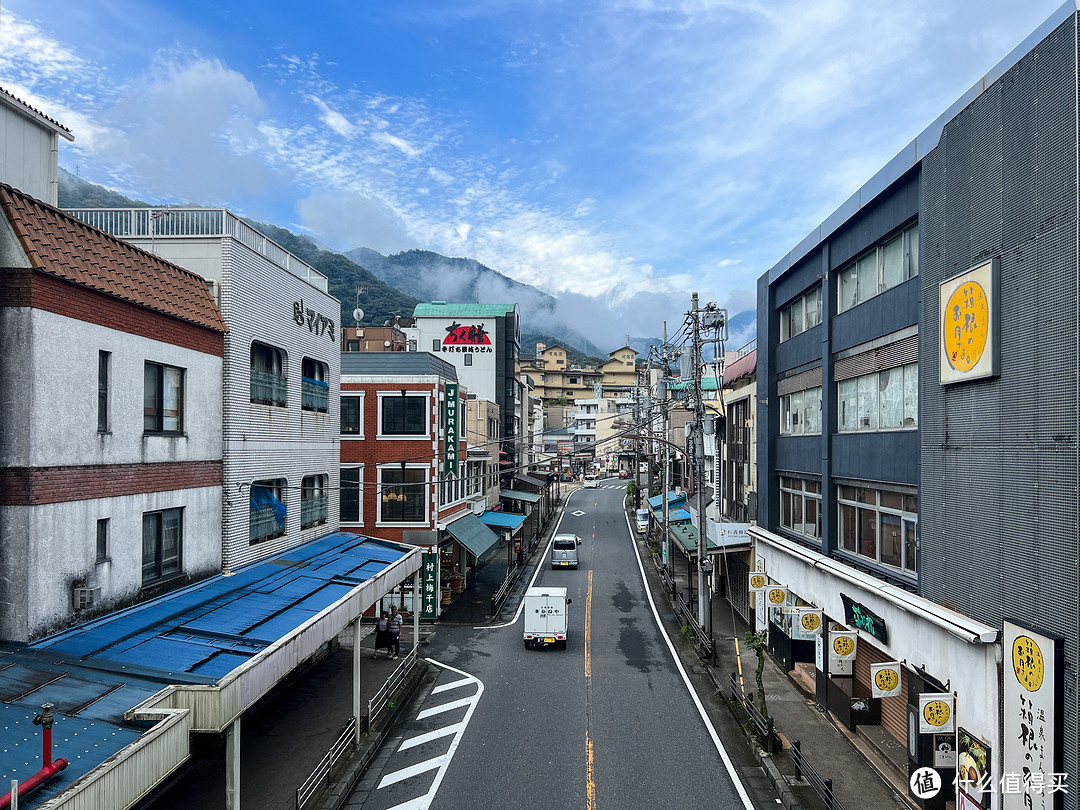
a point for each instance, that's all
(358, 314)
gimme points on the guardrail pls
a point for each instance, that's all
(326, 765)
(766, 728)
(380, 701)
(665, 575)
(804, 770)
(687, 617)
(498, 599)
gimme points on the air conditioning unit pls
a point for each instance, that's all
(83, 598)
(479, 505)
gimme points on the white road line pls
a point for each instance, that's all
(438, 733)
(411, 771)
(732, 773)
(446, 707)
(448, 686)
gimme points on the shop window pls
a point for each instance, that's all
(881, 268)
(314, 389)
(313, 501)
(161, 543)
(879, 525)
(269, 385)
(163, 399)
(402, 495)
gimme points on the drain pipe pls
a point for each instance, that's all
(49, 769)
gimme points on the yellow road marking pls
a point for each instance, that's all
(590, 785)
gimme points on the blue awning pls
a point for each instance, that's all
(503, 520)
(473, 534)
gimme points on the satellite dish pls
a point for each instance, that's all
(386, 343)
(358, 314)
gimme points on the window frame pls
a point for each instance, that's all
(799, 398)
(279, 488)
(159, 407)
(807, 312)
(102, 541)
(314, 385)
(156, 519)
(314, 487)
(351, 397)
(854, 392)
(415, 487)
(855, 509)
(346, 485)
(424, 433)
(801, 490)
(865, 275)
(104, 375)
(277, 364)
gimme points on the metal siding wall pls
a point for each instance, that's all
(998, 495)
(888, 457)
(263, 442)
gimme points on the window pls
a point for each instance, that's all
(352, 415)
(313, 501)
(402, 495)
(266, 519)
(801, 314)
(163, 399)
(269, 385)
(800, 506)
(879, 269)
(351, 502)
(884, 400)
(103, 392)
(352, 346)
(451, 489)
(403, 416)
(800, 412)
(435, 345)
(879, 525)
(103, 540)
(468, 359)
(161, 542)
(314, 390)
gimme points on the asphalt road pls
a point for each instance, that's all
(607, 723)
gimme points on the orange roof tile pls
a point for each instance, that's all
(69, 249)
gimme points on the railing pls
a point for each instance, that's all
(803, 770)
(749, 347)
(500, 596)
(765, 726)
(314, 395)
(321, 774)
(268, 388)
(381, 700)
(701, 638)
(263, 524)
(313, 511)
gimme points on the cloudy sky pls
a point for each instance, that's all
(631, 151)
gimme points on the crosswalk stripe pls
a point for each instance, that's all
(446, 707)
(411, 771)
(420, 739)
(446, 687)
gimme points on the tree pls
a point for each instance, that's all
(758, 642)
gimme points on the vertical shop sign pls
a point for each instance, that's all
(1032, 751)
(843, 647)
(885, 679)
(937, 712)
(429, 584)
(450, 428)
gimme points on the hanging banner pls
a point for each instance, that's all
(885, 679)
(758, 582)
(843, 645)
(450, 428)
(809, 620)
(936, 712)
(776, 597)
(429, 585)
(1034, 713)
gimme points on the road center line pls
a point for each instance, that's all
(590, 783)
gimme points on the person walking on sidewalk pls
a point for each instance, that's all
(380, 633)
(393, 634)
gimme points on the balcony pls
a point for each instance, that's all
(263, 525)
(313, 511)
(314, 395)
(269, 388)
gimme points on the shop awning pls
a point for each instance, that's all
(731, 536)
(528, 479)
(473, 534)
(673, 499)
(519, 495)
(503, 520)
(673, 515)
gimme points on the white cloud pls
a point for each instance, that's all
(386, 139)
(333, 119)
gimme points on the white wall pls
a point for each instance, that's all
(479, 378)
(27, 155)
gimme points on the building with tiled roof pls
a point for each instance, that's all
(110, 473)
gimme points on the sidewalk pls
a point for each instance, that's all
(833, 751)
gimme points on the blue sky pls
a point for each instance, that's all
(618, 154)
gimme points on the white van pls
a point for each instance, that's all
(591, 481)
(641, 520)
(546, 614)
(564, 551)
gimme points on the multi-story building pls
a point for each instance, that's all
(112, 453)
(280, 416)
(619, 372)
(373, 339)
(918, 460)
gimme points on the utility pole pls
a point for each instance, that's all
(704, 598)
(665, 410)
(649, 418)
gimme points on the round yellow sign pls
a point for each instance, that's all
(757, 581)
(1027, 661)
(777, 596)
(965, 324)
(810, 621)
(887, 679)
(936, 713)
(843, 645)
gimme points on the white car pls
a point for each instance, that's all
(591, 481)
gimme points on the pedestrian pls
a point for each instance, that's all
(380, 633)
(393, 634)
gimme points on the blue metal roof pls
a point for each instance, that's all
(503, 520)
(673, 499)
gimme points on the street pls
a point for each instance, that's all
(609, 722)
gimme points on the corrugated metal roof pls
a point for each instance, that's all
(472, 533)
(445, 310)
(674, 499)
(20, 105)
(67, 248)
(503, 520)
(519, 495)
(404, 364)
(744, 366)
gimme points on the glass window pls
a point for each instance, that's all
(847, 289)
(911, 395)
(267, 510)
(350, 495)
(847, 397)
(351, 415)
(813, 308)
(468, 360)
(911, 253)
(911, 545)
(867, 389)
(404, 416)
(435, 345)
(868, 533)
(269, 385)
(877, 525)
(796, 313)
(103, 392)
(313, 501)
(800, 506)
(163, 399)
(867, 277)
(812, 523)
(801, 314)
(315, 391)
(892, 263)
(883, 400)
(162, 541)
(848, 533)
(891, 398)
(102, 539)
(812, 410)
(402, 495)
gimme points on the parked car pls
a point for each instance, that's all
(641, 520)
(624, 473)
